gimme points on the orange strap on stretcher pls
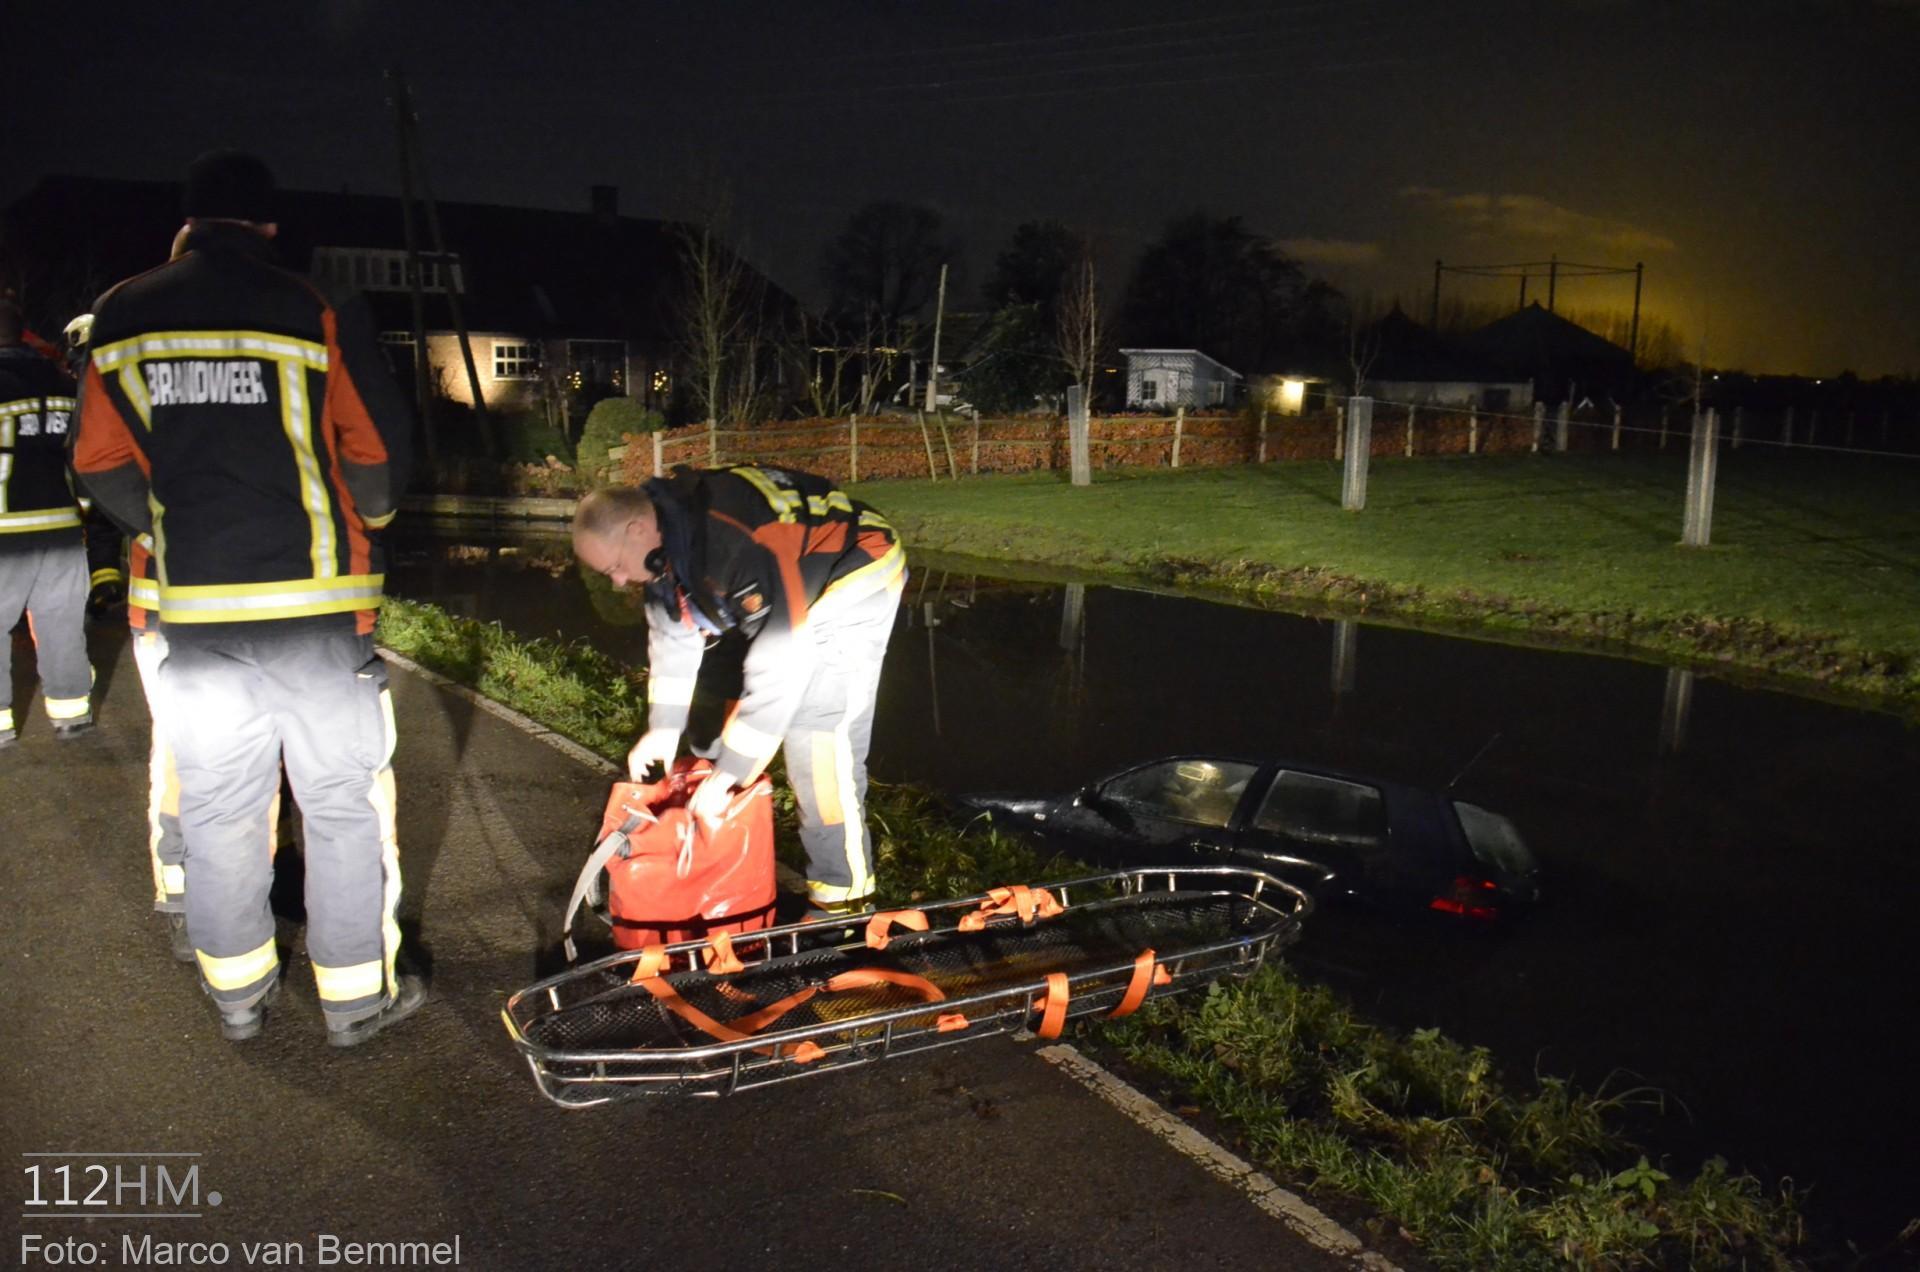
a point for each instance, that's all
(881, 925)
(1146, 973)
(1028, 903)
(746, 1027)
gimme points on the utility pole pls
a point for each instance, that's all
(412, 165)
(1433, 315)
(422, 390)
(1633, 336)
(1553, 279)
(933, 368)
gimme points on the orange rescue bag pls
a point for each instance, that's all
(674, 877)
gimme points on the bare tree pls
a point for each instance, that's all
(821, 354)
(715, 309)
(1363, 345)
(747, 396)
(1081, 327)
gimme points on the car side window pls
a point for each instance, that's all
(1323, 810)
(1199, 792)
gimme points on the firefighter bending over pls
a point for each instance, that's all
(811, 580)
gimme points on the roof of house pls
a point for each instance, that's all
(1190, 352)
(1536, 341)
(529, 271)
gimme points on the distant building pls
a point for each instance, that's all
(1561, 359)
(1406, 361)
(561, 308)
(1162, 379)
(1291, 392)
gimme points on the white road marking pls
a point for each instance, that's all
(1288, 1207)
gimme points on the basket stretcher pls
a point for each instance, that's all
(711, 1017)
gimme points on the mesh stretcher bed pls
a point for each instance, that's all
(716, 1016)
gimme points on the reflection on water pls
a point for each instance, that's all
(1728, 872)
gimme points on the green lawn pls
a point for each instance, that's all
(1814, 572)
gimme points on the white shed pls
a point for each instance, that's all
(1166, 378)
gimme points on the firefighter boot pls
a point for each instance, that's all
(237, 1024)
(412, 992)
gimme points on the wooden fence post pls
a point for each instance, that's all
(976, 441)
(1473, 429)
(1340, 433)
(1616, 425)
(1410, 411)
(1353, 490)
(1738, 411)
(1539, 424)
(853, 448)
(926, 439)
(1179, 427)
(659, 465)
(1663, 428)
(1786, 428)
(1813, 425)
(946, 439)
(1563, 426)
(1260, 453)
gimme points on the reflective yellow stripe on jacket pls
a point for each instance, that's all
(295, 598)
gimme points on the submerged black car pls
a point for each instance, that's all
(1339, 834)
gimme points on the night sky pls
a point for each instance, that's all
(1760, 157)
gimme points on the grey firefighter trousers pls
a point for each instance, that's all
(49, 583)
(236, 705)
(826, 747)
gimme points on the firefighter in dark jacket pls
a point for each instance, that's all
(43, 564)
(812, 580)
(249, 427)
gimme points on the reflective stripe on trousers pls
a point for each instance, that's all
(49, 583)
(235, 707)
(164, 845)
(826, 747)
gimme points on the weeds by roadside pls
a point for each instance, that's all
(1420, 1128)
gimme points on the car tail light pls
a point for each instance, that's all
(1470, 898)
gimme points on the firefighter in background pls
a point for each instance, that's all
(106, 546)
(43, 565)
(812, 581)
(250, 427)
(111, 557)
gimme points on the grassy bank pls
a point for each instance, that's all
(1813, 577)
(1476, 1172)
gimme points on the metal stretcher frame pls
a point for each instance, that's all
(583, 1077)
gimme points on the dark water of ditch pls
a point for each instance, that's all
(1730, 873)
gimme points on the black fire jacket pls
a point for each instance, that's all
(232, 412)
(37, 504)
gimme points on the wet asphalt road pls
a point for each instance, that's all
(981, 1156)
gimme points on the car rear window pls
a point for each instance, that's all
(1323, 810)
(1199, 792)
(1495, 840)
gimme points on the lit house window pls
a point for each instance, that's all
(515, 360)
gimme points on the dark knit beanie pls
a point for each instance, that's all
(229, 185)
